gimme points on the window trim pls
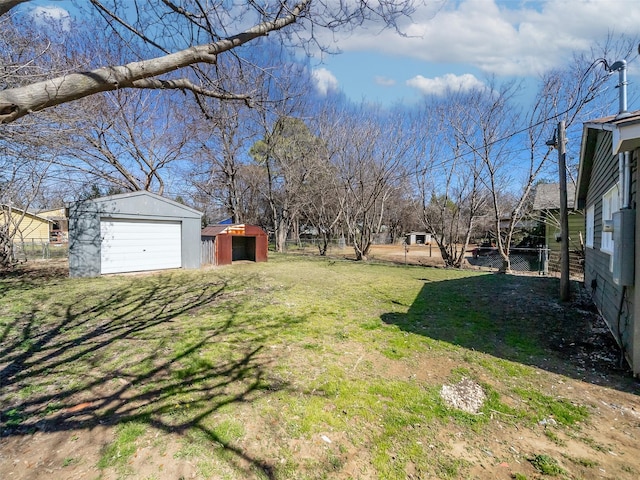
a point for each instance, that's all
(610, 205)
(590, 225)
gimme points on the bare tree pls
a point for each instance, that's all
(188, 34)
(127, 140)
(219, 158)
(321, 207)
(449, 183)
(489, 125)
(498, 129)
(28, 148)
(23, 170)
(230, 128)
(369, 154)
(288, 155)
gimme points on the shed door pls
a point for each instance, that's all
(133, 246)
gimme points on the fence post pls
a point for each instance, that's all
(539, 260)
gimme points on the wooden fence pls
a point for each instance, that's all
(208, 252)
(576, 263)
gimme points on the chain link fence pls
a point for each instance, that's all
(534, 260)
(39, 249)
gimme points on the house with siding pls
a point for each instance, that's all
(607, 191)
(23, 226)
(546, 207)
(59, 227)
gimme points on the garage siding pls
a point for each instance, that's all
(151, 233)
(133, 246)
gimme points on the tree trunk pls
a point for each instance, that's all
(6, 247)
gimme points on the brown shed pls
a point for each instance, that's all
(223, 244)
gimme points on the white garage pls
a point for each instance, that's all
(130, 246)
(132, 232)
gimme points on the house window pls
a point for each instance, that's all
(589, 233)
(609, 207)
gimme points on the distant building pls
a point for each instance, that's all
(418, 238)
(24, 226)
(546, 206)
(59, 226)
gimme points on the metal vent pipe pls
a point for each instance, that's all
(621, 67)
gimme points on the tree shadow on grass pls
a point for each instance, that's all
(519, 318)
(138, 350)
(31, 274)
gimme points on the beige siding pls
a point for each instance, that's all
(29, 228)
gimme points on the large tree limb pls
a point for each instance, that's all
(18, 102)
(6, 5)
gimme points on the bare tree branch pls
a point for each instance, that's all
(186, 84)
(18, 102)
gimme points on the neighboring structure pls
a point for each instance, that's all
(418, 238)
(546, 204)
(59, 226)
(132, 232)
(28, 227)
(521, 224)
(607, 190)
(223, 244)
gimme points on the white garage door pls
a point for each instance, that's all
(134, 246)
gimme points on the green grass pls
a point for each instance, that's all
(118, 452)
(251, 367)
(561, 410)
(546, 465)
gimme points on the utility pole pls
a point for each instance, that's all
(564, 220)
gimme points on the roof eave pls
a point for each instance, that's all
(587, 148)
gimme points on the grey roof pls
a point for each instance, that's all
(615, 120)
(547, 196)
(146, 201)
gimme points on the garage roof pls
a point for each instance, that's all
(138, 203)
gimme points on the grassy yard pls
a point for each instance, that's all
(304, 368)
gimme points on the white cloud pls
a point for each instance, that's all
(47, 14)
(325, 80)
(384, 81)
(501, 36)
(449, 82)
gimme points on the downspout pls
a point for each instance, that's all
(621, 180)
(626, 191)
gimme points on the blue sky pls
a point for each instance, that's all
(460, 43)
(463, 42)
